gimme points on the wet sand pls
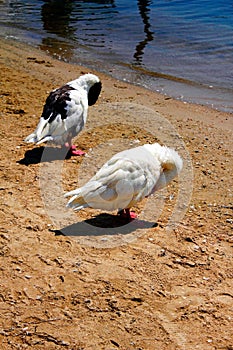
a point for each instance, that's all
(66, 285)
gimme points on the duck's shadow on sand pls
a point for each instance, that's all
(104, 224)
(44, 154)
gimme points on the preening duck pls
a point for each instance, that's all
(127, 178)
(65, 112)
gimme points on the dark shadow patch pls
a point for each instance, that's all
(104, 224)
(44, 154)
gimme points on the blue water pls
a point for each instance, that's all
(183, 49)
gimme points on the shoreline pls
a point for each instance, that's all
(178, 88)
(149, 287)
(22, 49)
(196, 93)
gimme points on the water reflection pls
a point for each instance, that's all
(144, 12)
(101, 33)
(67, 22)
(55, 15)
(56, 19)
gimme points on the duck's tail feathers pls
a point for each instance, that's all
(41, 134)
(76, 202)
(45, 139)
(31, 138)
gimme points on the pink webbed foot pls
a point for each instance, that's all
(132, 215)
(73, 151)
(76, 152)
(127, 214)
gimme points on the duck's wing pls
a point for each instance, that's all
(63, 116)
(120, 183)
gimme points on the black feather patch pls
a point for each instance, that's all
(93, 93)
(56, 103)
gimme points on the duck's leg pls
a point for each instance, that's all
(127, 214)
(73, 151)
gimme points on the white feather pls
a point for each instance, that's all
(72, 99)
(127, 178)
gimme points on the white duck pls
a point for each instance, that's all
(127, 178)
(65, 112)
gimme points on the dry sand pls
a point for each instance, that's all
(70, 285)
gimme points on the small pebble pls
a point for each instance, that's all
(28, 277)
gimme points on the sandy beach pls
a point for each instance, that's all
(83, 281)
